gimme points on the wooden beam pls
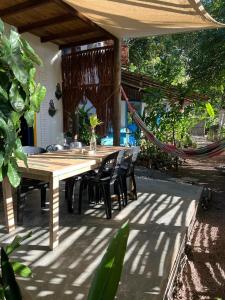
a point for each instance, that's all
(84, 42)
(77, 14)
(45, 23)
(21, 7)
(62, 35)
(117, 93)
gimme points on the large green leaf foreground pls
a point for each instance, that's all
(106, 280)
(9, 289)
(20, 96)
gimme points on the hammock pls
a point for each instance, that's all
(203, 152)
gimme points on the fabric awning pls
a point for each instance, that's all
(138, 18)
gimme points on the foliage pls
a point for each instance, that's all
(170, 121)
(86, 123)
(193, 60)
(159, 57)
(84, 128)
(20, 96)
(194, 63)
(94, 121)
(107, 276)
(9, 289)
(210, 110)
(151, 157)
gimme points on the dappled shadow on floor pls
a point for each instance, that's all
(203, 276)
(158, 221)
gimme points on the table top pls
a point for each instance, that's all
(64, 163)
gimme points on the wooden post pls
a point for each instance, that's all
(54, 212)
(8, 205)
(117, 94)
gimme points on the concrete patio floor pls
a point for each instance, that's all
(158, 222)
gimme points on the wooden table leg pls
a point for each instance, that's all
(8, 205)
(54, 212)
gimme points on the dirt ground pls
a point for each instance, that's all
(203, 275)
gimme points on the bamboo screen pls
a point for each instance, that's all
(88, 75)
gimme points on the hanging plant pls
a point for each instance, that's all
(20, 96)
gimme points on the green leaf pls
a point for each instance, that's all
(15, 118)
(21, 269)
(1, 159)
(30, 53)
(13, 174)
(16, 99)
(1, 26)
(14, 40)
(3, 94)
(17, 243)
(13, 57)
(94, 121)
(10, 286)
(29, 116)
(210, 110)
(31, 80)
(3, 125)
(19, 153)
(2, 297)
(107, 277)
(38, 97)
(1, 175)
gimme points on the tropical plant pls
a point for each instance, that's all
(9, 288)
(20, 96)
(94, 121)
(106, 280)
(84, 127)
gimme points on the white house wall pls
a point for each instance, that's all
(49, 129)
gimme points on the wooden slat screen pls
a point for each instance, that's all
(89, 74)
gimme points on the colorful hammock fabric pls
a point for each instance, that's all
(201, 153)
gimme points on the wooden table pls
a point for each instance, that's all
(53, 167)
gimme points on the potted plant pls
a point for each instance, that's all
(94, 122)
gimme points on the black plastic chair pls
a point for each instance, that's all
(32, 150)
(127, 171)
(76, 145)
(28, 185)
(100, 185)
(54, 148)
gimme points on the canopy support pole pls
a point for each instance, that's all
(117, 93)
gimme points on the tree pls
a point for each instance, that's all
(194, 61)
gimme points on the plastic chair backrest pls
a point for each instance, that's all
(32, 150)
(108, 165)
(54, 148)
(127, 159)
(118, 163)
(136, 151)
(75, 145)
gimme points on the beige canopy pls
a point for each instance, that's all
(137, 18)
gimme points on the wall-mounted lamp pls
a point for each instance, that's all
(52, 109)
(58, 91)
